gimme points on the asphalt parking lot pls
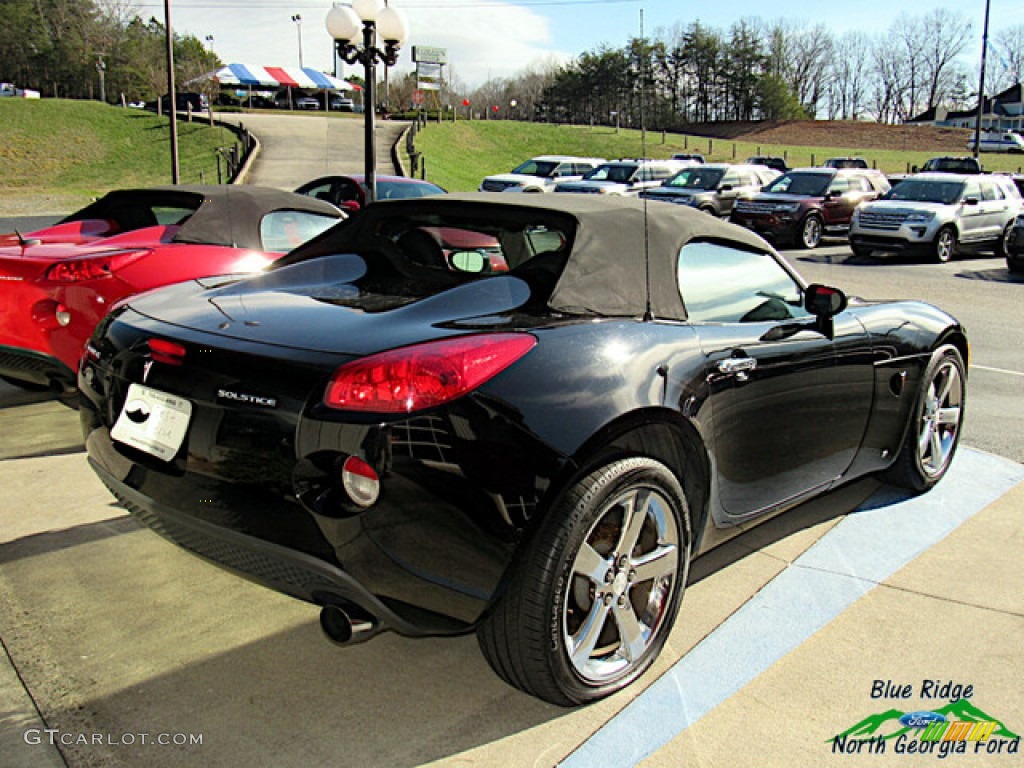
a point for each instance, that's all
(122, 650)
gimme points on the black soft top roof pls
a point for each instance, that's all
(224, 214)
(605, 273)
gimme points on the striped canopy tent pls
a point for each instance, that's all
(278, 77)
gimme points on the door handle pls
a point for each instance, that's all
(738, 366)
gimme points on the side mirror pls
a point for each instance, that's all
(971, 201)
(469, 261)
(349, 205)
(913, 169)
(725, 188)
(823, 301)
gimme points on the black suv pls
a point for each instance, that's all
(772, 161)
(952, 165)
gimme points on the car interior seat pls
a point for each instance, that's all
(422, 249)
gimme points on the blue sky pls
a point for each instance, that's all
(486, 38)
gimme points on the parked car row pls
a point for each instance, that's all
(938, 213)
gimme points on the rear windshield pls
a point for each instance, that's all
(419, 254)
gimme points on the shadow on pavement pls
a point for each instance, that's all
(36, 424)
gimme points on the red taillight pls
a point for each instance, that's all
(76, 270)
(421, 376)
(169, 352)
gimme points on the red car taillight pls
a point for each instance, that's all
(424, 375)
(168, 352)
(76, 270)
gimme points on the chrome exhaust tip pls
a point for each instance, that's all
(346, 627)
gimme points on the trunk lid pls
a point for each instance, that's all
(322, 306)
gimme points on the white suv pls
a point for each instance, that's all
(938, 213)
(625, 177)
(540, 174)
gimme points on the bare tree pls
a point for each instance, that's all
(889, 73)
(850, 72)
(1008, 47)
(800, 56)
(944, 37)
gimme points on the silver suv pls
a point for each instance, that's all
(939, 214)
(540, 174)
(624, 177)
(714, 187)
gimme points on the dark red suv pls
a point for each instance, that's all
(805, 204)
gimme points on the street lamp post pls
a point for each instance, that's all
(101, 70)
(297, 18)
(343, 24)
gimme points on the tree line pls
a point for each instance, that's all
(684, 74)
(759, 70)
(67, 48)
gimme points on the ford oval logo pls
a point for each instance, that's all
(921, 719)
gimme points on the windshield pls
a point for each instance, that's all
(697, 178)
(394, 190)
(536, 168)
(809, 184)
(926, 191)
(621, 173)
(952, 165)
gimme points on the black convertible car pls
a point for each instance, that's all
(384, 425)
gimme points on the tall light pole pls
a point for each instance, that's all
(343, 24)
(297, 18)
(981, 86)
(170, 92)
(101, 69)
(209, 41)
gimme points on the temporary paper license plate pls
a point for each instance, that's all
(153, 421)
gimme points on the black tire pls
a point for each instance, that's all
(571, 576)
(1003, 244)
(1015, 265)
(935, 424)
(811, 229)
(944, 245)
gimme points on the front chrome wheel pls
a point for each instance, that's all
(622, 579)
(810, 233)
(940, 419)
(945, 245)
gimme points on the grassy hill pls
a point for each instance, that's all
(65, 152)
(458, 155)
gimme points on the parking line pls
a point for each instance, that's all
(865, 548)
(996, 370)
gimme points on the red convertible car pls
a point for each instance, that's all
(56, 283)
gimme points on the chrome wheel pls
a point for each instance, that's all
(945, 245)
(940, 418)
(623, 579)
(810, 233)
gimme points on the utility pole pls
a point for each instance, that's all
(981, 86)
